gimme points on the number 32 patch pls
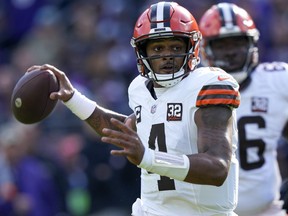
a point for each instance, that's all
(174, 111)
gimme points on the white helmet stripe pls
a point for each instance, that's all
(227, 14)
(160, 14)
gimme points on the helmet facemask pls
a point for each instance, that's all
(170, 79)
(238, 61)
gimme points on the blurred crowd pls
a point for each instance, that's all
(59, 167)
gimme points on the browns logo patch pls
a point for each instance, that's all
(259, 104)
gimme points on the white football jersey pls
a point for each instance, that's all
(167, 124)
(261, 118)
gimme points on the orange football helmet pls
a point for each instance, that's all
(227, 20)
(164, 20)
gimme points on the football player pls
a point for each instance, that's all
(182, 132)
(230, 41)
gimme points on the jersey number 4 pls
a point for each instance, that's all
(158, 133)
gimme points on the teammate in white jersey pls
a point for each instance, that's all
(184, 117)
(230, 42)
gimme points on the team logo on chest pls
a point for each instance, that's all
(259, 104)
(174, 111)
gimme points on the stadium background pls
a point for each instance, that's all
(90, 41)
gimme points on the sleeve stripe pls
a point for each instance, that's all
(210, 87)
(218, 95)
(231, 102)
(218, 91)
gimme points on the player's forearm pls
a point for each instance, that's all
(100, 119)
(96, 116)
(198, 168)
(208, 171)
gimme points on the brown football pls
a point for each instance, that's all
(30, 101)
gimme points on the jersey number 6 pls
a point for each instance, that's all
(245, 144)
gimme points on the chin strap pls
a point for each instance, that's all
(167, 80)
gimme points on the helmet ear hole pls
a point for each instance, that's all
(141, 67)
(142, 48)
(193, 62)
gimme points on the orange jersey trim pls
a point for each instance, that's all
(218, 95)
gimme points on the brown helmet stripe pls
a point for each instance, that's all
(160, 15)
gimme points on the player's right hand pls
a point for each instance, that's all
(126, 139)
(66, 89)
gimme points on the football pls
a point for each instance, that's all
(30, 101)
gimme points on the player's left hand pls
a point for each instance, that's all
(126, 139)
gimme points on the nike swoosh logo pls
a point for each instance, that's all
(221, 78)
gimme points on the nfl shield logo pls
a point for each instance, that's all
(153, 109)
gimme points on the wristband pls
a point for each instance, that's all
(164, 164)
(80, 105)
